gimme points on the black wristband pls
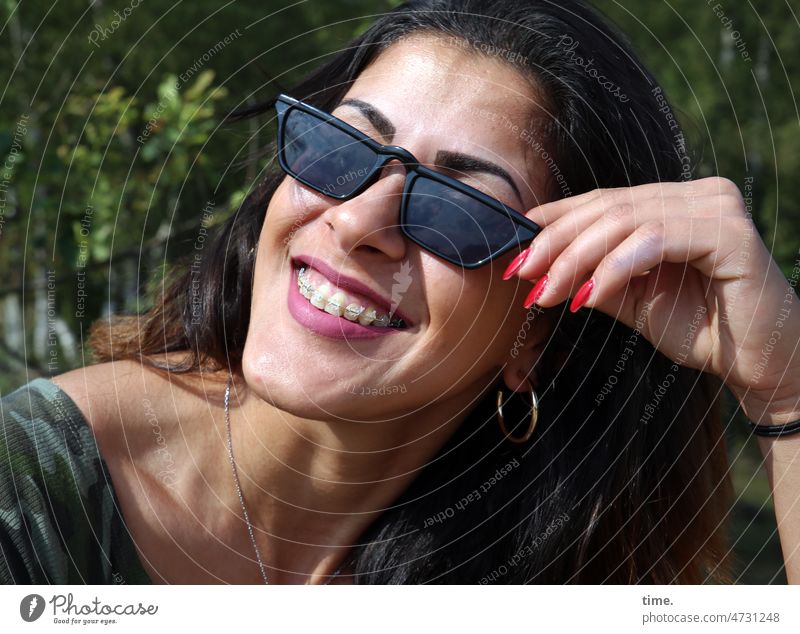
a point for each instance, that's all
(775, 430)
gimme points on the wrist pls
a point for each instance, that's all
(769, 410)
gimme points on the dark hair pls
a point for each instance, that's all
(625, 479)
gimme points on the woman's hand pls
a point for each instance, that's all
(684, 264)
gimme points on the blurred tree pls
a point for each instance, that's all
(731, 70)
(111, 132)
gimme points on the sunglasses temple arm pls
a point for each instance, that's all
(529, 229)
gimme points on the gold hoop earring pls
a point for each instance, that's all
(531, 426)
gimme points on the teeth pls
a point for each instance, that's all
(320, 296)
(305, 287)
(334, 304)
(367, 317)
(353, 311)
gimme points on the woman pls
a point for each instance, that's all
(356, 385)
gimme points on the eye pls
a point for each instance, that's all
(360, 123)
(488, 184)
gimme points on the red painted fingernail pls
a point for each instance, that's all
(536, 292)
(516, 263)
(582, 295)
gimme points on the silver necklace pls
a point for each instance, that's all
(239, 490)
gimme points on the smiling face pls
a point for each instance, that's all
(444, 104)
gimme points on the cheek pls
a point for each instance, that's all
(472, 314)
(290, 208)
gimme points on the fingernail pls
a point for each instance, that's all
(582, 295)
(536, 292)
(516, 263)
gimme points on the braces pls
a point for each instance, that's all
(306, 286)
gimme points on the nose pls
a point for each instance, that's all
(370, 222)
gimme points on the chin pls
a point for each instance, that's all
(322, 398)
(298, 388)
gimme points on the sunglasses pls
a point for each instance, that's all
(451, 220)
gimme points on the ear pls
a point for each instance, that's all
(519, 373)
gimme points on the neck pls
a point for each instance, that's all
(311, 487)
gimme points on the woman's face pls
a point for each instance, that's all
(440, 99)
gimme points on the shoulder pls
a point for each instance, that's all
(136, 416)
(76, 476)
(120, 397)
(53, 486)
(105, 391)
(41, 429)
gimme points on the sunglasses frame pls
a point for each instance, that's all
(526, 229)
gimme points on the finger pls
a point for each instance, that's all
(731, 202)
(577, 257)
(710, 245)
(571, 232)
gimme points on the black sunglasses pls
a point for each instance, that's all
(441, 214)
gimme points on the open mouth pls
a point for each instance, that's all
(342, 301)
(323, 295)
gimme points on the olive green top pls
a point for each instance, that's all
(60, 520)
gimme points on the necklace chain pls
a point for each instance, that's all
(239, 490)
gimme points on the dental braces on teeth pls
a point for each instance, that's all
(334, 305)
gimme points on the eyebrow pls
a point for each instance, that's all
(375, 117)
(459, 162)
(455, 161)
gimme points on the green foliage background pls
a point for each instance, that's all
(104, 213)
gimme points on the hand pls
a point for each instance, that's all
(684, 264)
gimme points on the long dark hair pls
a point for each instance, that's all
(625, 479)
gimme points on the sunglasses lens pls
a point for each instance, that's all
(327, 158)
(455, 224)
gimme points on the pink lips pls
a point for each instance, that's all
(328, 325)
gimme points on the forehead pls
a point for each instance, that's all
(435, 75)
(439, 93)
